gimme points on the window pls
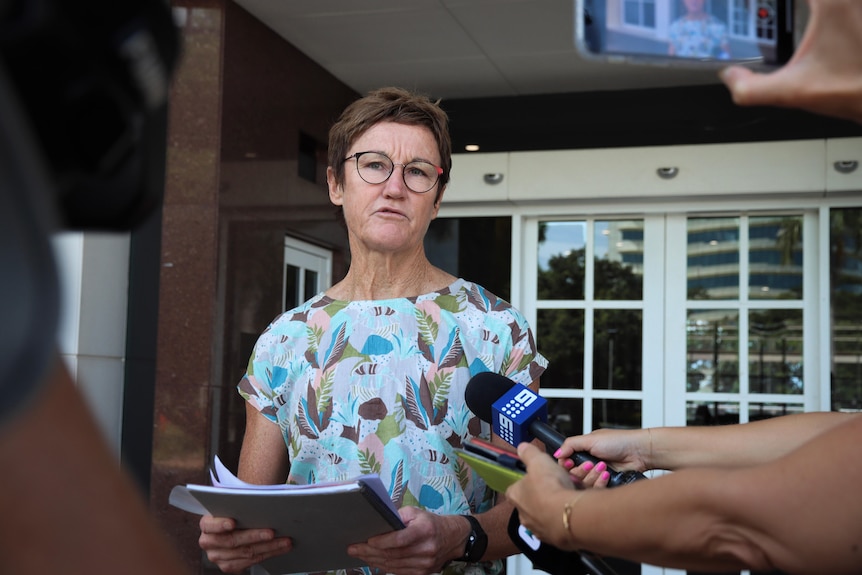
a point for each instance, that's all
(845, 321)
(669, 318)
(307, 271)
(744, 321)
(589, 278)
(640, 13)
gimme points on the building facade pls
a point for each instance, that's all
(675, 273)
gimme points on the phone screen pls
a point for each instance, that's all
(687, 32)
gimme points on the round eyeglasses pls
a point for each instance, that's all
(375, 168)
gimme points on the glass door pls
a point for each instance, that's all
(673, 319)
(595, 289)
(749, 342)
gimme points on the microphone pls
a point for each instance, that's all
(517, 414)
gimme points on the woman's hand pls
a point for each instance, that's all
(541, 495)
(234, 550)
(621, 449)
(424, 546)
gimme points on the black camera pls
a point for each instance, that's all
(83, 116)
(91, 79)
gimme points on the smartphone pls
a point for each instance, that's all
(490, 451)
(693, 33)
(498, 467)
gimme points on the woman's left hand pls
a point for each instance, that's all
(589, 474)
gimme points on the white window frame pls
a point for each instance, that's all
(652, 307)
(676, 314)
(664, 224)
(306, 257)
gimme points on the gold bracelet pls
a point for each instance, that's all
(567, 510)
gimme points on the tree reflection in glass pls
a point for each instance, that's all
(712, 351)
(845, 274)
(562, 253)
(619, 259)
(775, 351)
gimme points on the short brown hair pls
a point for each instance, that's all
(390, 105)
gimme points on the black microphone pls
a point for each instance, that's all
(518, 414)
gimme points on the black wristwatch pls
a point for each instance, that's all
(477, 541)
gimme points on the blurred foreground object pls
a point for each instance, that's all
(83, 100)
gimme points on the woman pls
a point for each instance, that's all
(698, 34)
(369, 377)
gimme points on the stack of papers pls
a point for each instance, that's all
(322, 519)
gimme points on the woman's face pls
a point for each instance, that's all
(387, 217)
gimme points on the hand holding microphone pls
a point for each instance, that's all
(517, 414)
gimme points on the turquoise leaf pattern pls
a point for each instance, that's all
(304, 422)
(376, 345)
(430, 498)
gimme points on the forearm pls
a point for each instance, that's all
(742, 445)
(495, 522)
(798, 513)
(679, 521)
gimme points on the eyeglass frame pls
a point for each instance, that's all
(357, 155)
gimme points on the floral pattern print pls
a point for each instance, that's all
(698, 38)
(378, 387)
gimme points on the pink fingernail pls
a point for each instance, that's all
(568, 464)
(605, 476)
(588, 465)
(558, 452)
(601, 466)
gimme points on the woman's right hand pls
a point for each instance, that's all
(618, 448)
(234, 550)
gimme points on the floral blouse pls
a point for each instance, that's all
(377, 386)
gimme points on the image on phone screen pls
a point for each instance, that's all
(686, 31)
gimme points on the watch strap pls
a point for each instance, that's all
(477, 541)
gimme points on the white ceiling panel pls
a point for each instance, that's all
(453, 48)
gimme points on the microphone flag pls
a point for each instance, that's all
(515, 410)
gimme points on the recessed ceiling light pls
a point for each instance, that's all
(472, 147)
